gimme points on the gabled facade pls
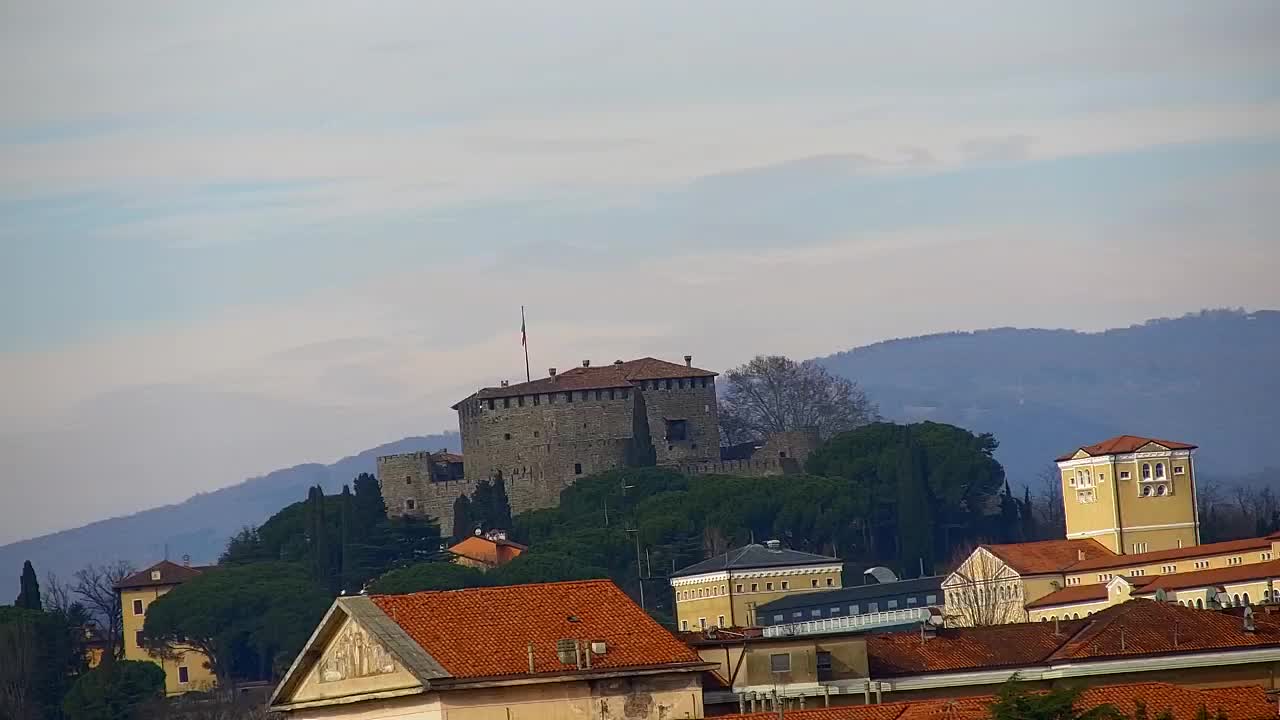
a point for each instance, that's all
(1132, 494)
(995, 583)
(188, 670)
(725, 591)
(551, 650)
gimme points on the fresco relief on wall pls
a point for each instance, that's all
(354, 654)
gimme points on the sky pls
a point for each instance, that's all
(239, 236)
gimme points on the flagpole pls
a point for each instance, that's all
(524, 340)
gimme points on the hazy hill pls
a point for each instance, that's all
(199, 526)
(1212, 378)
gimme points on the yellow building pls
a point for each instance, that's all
(725, 590)
(189, 670)
(1132, 494)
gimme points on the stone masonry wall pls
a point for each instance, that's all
(692, 400)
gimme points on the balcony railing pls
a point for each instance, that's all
(850, 623)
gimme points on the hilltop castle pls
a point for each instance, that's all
(540, 436)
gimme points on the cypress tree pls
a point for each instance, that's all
(324, 559)
(1010, 529)
(499, 506)
(915, 512)
(345, 569)
(29, 595)
(462, 520)
(1030, 530)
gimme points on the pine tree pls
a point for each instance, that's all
(29, 596)
(369, 509)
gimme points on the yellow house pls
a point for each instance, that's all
(523, 652)
(724, 591)
(189, 670)
(1132, 494)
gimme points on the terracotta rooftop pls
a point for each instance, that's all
(1114, 561)
(1048, 556)
(170, 574)
(1121, 444)
(1134, 628)
(486, 632)
(1217, 576)
(1248, 702)
(491, 551)
(618, 375)
(1082, 593)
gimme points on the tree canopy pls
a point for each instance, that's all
(247, 619)
(114, 691)
(39, 658)
(29, 594)
(775, 393)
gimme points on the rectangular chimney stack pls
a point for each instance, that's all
(688, 361)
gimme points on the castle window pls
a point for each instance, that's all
(599, 395)
(568, 397)
(1146, 471)
(611, 397)
(577, 468)
(537, 400)
(1177, 469)
(677, 430)
(408, 479)
(536, 433)
(520, 401)
(506, 402)
(506, 436)
(668, 384)
(626, 392)
(409, 504)
(704, 382)
(490, 403)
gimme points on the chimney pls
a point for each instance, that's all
(617, 362)
(688, 360)
(1079, 553)
(1058, 631)
(505, 383)
(586, 363)
(773, 544)
(551, 372)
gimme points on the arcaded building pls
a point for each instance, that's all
(540, 436)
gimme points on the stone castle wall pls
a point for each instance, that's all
(541, 444)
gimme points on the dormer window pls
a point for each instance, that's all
(155, 574)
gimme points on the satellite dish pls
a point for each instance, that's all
(880, 574)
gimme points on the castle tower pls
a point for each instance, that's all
(1132, 494)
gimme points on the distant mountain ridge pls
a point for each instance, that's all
(199, 526)
(1209, 378)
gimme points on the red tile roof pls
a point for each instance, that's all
(1195, 551)
(1148, 629)
(1048, 556)
(1082, 593)
(1217, 576)
(170, 574)
(1183, 703)
(486, 632)
(618, 375)
(487, 550)
(1123, 444)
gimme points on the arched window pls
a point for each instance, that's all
(1235, 600)
(1044, 619)
(1159, 471)
(1146, 471)
(1075, 616)
(1199, 604)
(1161, 490)
(1146, 491)
(1246, 599)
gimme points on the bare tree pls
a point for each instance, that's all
(56, 594)
(983, 591)
(774, 393)
(96, 586)
(1048, 489)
